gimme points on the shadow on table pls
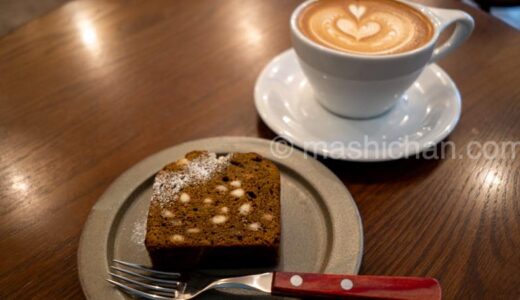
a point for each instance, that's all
(405, 169)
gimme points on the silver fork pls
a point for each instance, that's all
(138, 280)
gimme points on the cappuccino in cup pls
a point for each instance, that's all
(371, 27)
(360, 56)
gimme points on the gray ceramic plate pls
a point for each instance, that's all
(321, 226)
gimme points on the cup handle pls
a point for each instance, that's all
(464, 25)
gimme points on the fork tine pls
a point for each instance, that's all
(142, 284)
(152, 279)
(143, 268)
(136, 292)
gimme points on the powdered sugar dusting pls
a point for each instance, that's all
(168, 184)
(139, 231)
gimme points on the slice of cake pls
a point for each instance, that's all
(215, 211)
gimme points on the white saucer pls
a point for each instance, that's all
(428, 112)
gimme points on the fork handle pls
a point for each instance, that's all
(347, 286)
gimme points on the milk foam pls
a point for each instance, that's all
(373, 27)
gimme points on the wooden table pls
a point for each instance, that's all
(95, 86)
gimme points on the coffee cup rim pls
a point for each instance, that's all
(421, 8)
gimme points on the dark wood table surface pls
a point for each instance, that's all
(93, 87)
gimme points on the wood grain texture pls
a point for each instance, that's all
(95, 86)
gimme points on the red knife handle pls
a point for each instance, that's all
(348, 286)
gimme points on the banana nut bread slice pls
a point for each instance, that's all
(215, 211)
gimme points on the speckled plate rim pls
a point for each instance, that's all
(345, 253)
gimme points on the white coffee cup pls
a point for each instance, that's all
(365, 86)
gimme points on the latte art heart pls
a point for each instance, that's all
(359, 32)
(372, 27)
(357, 10)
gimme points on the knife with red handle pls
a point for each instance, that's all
(348, 286)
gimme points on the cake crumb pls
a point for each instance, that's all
(208, 201)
